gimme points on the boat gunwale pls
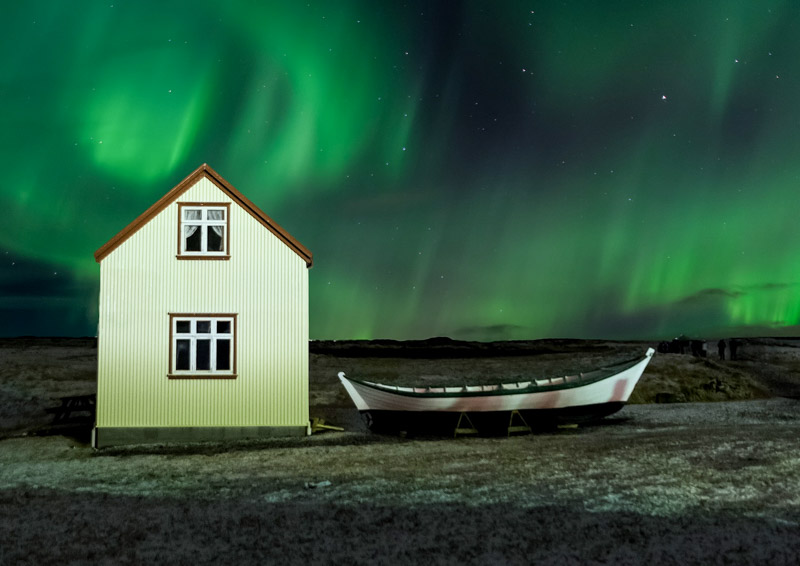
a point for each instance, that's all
(605, 372)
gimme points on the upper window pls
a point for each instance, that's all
(203, 345)
(203, 231)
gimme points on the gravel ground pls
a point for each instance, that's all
(685, 483)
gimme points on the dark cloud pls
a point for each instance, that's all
(492, 332)
(710, 294)
(777, 329)
(714, 293)
(31, 278)
(43, 299)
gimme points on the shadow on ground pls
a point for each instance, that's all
(140, 530)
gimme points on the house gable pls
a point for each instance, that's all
(204, 171)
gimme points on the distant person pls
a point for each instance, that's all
(721, 349)
(734, 346)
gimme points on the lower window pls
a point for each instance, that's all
(202, 345)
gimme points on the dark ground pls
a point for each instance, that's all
(691, 482)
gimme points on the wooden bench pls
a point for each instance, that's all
(83, 404)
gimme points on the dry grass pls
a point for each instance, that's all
(35, 373)
(694, 483)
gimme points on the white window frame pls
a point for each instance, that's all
(193, 336)
(203, 225)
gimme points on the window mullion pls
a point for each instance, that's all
(204, 230)
(193, 347)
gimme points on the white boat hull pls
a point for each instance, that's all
(594, 394)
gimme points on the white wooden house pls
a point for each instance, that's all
(203, 328)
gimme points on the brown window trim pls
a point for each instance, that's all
(227, 207)
(204, 257)
(197, 376)
(233, 375)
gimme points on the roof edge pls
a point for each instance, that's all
(204, 171)
(259, 215)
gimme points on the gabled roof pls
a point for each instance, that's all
(204, 171)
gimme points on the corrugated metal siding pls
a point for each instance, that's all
(264, 282)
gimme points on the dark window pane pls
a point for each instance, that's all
(223, 355)
(193, 235)
(183, 326)
(182, 354)
(223, 327)
(215, 236)
(203, 354)
(203, 326)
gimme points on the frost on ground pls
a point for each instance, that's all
(697, 483)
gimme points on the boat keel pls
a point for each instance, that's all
(493, 423)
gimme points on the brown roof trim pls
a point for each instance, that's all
(204, 171)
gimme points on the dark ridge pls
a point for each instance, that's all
(442, 347)
(62, 341)
(787, 341)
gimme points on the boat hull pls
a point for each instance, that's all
(542, 403)
(489, 423)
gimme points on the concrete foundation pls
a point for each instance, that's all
(103, 437)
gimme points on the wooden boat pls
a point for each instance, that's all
(537, 402)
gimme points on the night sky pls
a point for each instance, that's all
(478, 170)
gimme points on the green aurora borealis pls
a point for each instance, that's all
(476, 170)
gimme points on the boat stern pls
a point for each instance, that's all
(352, 390)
